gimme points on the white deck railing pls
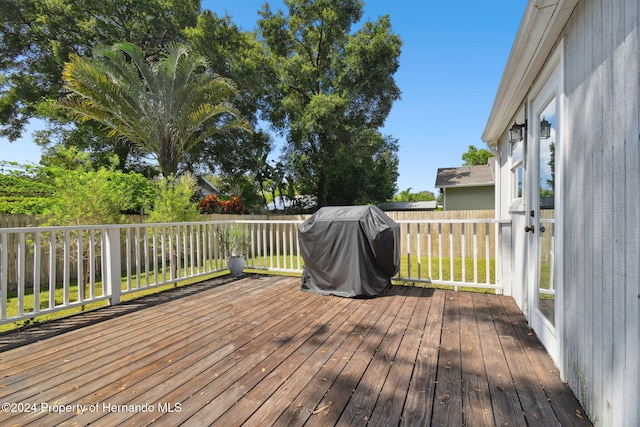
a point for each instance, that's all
(48, 269)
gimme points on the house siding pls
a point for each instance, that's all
(469, 198)
(601, 200)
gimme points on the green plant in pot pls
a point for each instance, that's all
(234, 242)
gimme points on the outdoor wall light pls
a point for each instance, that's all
(516, 133)
(545, 129)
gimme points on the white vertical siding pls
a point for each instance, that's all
(602, 193)
(503, 197)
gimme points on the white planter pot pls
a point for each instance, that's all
(236, 265)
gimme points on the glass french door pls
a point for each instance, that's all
(541, 227)
(546, 290)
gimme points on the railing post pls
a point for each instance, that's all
(112, 271)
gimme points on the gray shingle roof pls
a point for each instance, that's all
(466, 176)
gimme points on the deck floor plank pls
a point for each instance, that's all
(344, 385)
(216, 342)
(390, 404)
(504, 397)
(294, 391)
(368, 391)
(475, 385)
(533, 399)
(447, 408)
(259, 351)
(309, 399)
(558, 394)
(260, 382)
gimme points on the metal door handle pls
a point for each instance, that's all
(531, 229)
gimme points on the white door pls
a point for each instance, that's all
(543, 194)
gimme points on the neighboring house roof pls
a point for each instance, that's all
(466, 176)
(206, 187)
(408, 206)
(282, 203)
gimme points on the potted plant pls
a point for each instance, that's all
(234, 242)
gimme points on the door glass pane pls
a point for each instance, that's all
(546, 273)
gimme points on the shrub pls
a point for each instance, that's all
(209, 205)
(213, 204)
(174, 200)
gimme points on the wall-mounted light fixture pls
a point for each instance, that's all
(516, 133)
(545, 129)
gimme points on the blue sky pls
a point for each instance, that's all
(452, 59)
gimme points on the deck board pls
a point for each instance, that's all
(259, 351)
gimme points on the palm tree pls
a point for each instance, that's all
(165, 107)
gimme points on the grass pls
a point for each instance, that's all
(422, 266)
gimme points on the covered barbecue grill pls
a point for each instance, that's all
(349, 251)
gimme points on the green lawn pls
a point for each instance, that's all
(423, 267)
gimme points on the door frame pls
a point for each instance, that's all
(548, 85)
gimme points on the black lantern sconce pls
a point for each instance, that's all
(545, 129)
(516, 133)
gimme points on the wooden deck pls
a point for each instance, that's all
(259, 351)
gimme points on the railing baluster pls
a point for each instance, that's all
(127, 252)
(277, 233)
(198, 251)
(440, 251)
(92, 263)
(430, 254)
(66, 268)
(451, 256)
(145, 245)
(408, 250)
(191, 249)
(80, 260)
(464, 253)
(475, 253)
(20, 267)
(136, 231)
(291, 240)
(486, 255)
(419, 250)
(263, 256)
(271, 246)
(298, 256)
(4, 276)
(37, 253)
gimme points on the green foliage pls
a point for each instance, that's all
(164, 107)
(175, 200)
(24, 195)
(234, 240)
(475, 157)
(87, 198)
(69, 192)
(330, 93)
(408, 196)
(139, 192)
(236, 55)
(37, 37)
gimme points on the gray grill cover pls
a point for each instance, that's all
(349, 251)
